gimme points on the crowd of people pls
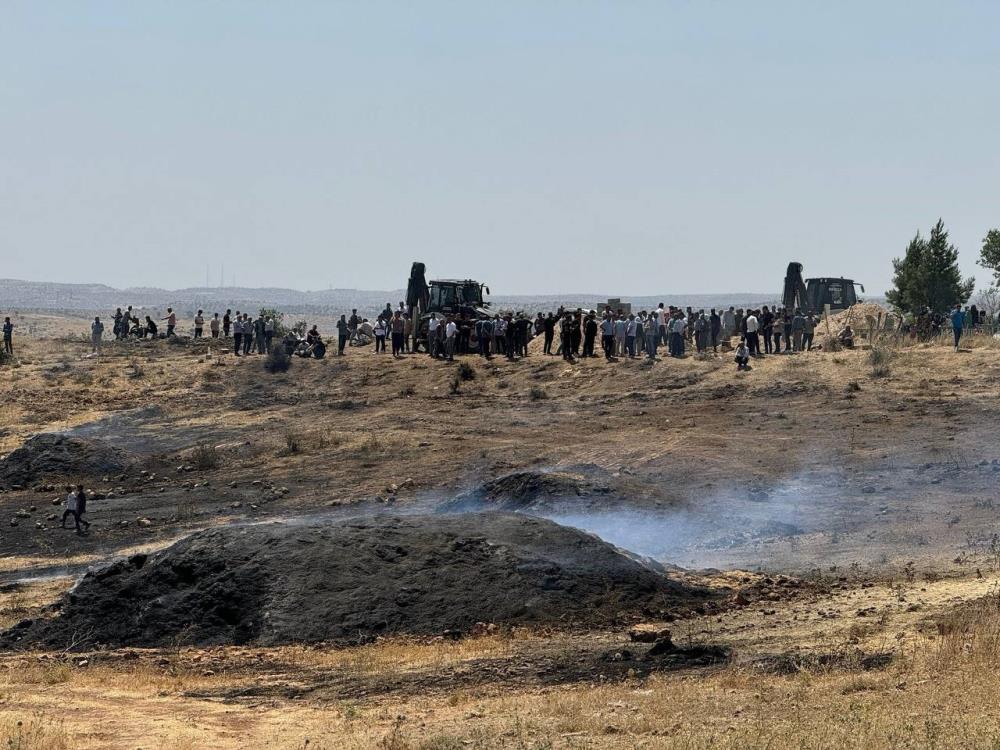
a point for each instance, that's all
(571, 334)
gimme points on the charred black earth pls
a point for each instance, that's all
(53, 456)
(354, 580)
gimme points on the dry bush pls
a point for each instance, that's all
(36, 732)
(466, 371)
(537, 394)
(205, 457)
(880, 357)
(293, 442)
(278, 359)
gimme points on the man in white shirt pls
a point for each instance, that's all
(450, 331)
(432, 326)
(753, 339)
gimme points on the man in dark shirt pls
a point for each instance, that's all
(343, 334)
(549, 329)
(8, 337)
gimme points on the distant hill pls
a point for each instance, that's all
(38, 295)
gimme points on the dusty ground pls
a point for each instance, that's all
(875, 494)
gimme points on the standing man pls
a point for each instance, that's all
(566, 336)
(798, 328)
(199, 324)
(227, 322)
(715, 326)
(753, 340)
(450, 333)
(432, 326)
(677, 329)
(268, 333)
(608, 336)
(484, 336)
(8, 337)
(213, 324)
(237, 334)
(630, 327)
(589, 335)
(957, 323)
(807, 332)
(96, 335)
(728, 323)
(549, 327)
(247, 333)
(344, 333)
(258, 329)
(398, 329)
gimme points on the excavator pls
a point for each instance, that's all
(813, 295)
(444, 297)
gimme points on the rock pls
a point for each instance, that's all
(648, 633)
(661, 647)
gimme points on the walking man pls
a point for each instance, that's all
(957, 323)
(171, 321)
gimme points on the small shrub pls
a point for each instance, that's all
(371, 447)
(278, 360)
(880, 356)
(205, 457)
(293, 442)
(538, 394)
(134, 370)
(466, 371)
(455, 384)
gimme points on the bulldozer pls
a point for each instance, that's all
(452, 297)
(813, 295)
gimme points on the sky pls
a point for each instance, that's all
(543, 147)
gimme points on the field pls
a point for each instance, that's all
(841, 503)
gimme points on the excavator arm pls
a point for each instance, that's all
(795, 289)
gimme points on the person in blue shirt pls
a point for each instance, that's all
(957, 323)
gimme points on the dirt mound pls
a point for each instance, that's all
(354, 581)
(49, 456)
(529, 490)
(862, 317)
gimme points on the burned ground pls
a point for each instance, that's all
(874, 495)
(358, 579)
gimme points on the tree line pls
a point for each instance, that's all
(927, 277)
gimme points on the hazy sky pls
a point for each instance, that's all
(616, 147)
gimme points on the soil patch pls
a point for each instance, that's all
(356, 580)
(52, 456)
(529, 490)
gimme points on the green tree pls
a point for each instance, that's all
(989, 254)
(907, 293)
(928, 275)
